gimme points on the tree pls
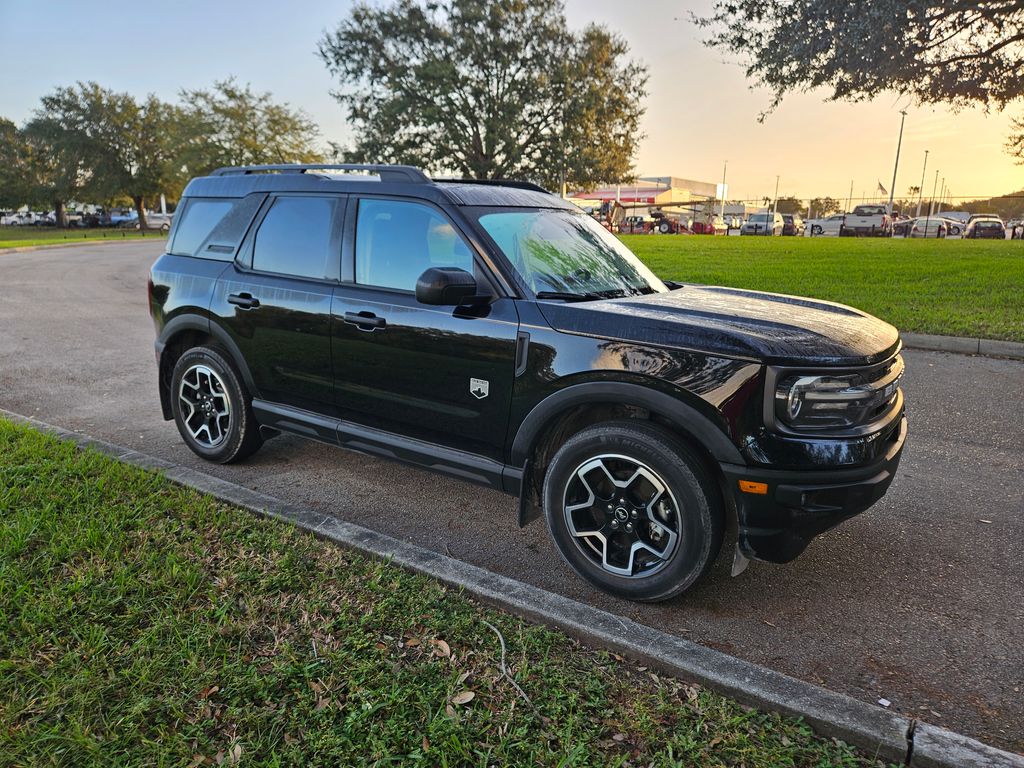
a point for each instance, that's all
(957, 52)
(823, 206)
(57, 162)
(789, 205)
(488, 89)
(15, 180)
(125, 147)
(231, 125)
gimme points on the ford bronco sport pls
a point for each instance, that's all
(493, 332)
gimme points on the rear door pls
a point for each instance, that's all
(436, 374)
(275, 299)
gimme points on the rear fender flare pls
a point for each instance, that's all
(193, 322)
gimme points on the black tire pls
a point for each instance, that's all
(693, 510)
(237, 433)
(664, 227)
(816, 229)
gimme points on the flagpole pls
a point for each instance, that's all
(899, 144)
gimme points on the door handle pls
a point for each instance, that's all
(244, 300)
(365, 321)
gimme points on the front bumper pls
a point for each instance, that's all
(776, 526)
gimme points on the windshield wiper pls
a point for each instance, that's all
(566, 296)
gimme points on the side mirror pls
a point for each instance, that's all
(445, 286)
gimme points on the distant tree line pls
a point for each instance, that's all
(86, 142)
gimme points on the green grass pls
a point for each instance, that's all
(145, 624)
(948, 287)
(23, 237)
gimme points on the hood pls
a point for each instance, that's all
(768, 327)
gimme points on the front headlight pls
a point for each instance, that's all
(805, 401)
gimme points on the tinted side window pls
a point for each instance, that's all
(197, 221)
(295, 237)
(396, 241)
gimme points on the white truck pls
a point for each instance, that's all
(867, 220)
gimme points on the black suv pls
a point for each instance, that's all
(493, 332)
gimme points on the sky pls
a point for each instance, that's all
(701, 110)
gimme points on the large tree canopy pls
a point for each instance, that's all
(125, 147)
(487, 89)
(958, 52)
(231, 125)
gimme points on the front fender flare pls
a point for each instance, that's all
(684, 416)
(687, 419)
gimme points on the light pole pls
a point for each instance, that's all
(775, 208)
(920, 189)
(942, 195)
(899, 144)
(724, 167)
(931, 204)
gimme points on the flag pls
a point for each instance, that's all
(882, 189)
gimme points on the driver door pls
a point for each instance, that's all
(438, 374)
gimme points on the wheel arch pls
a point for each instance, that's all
(180, 334)
(578, 406)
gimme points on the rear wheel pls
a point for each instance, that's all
(212, 408)
(632, 510)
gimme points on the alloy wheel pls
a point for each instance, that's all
(205, 408)
(622, 515)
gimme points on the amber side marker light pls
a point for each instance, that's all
(749, 486)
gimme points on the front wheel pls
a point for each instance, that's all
(212, 408)
(632, 510)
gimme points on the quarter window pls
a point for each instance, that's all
(295, 237)
(198, 220)
(397, 241)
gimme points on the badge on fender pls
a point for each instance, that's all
(479, 388)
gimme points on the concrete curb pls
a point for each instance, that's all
(77, 243)
(964, 345)
(879, 732)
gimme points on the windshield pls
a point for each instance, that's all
(868, 210)
(759, 218)
(557, 251)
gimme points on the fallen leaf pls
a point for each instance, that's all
(208, 692)
(450, 711)
(463, 697)
(619, 737)
(462, 678)
(426, 744)
(412, 642)
(441, 648)
(236, 753)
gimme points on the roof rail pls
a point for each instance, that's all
(406, 173)
(497, 183)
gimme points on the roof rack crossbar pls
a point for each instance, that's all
(400, 173)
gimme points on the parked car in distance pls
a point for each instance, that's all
(763, 224)
(827, 226)
(985, 229)
(494, 332)
(10, 219)
(928, 226)
(867, 220)
(792, 224)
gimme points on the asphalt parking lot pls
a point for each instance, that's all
(918, 601)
